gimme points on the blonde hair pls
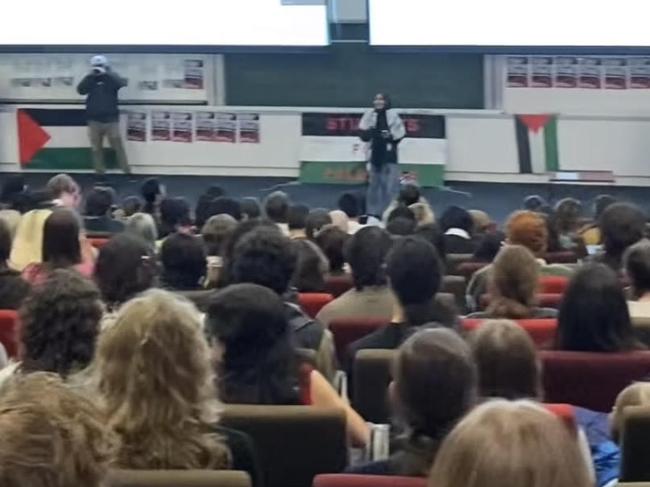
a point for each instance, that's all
(514, 280)
(637, 394)
(510, 444)
(157, 382)
(423, 213)
(51, 437)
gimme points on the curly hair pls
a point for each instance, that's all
(60, 322)
(529, 229)
(51, 437)
(513, 283)
(156, 378)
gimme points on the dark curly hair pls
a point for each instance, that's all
(332, 241)
(366, 253)
(60, 323)
(266, 257)
(125, 267)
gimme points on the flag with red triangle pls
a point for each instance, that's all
(537, 143)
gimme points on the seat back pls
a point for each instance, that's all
(346, 331)
(635, 448)
(566, 413)
(337, 285)
(372, 373)
(9, 331)
(563, 257)
(178, 478)
(294, 443)
(544, 300)
(343, 480)
(455, 285)
(312, 303)
(591, 380)
(553, 284)
(542, 331)
(98, 242)
(467, 269)
(453, 261)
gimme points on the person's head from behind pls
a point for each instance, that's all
(316, 220)
(340, 220)
(52, 436)
(366, 253)
(276, 206)
(601, 203)
(225, 206)
(59, 323)
(61, 246)
(401, 227)
(621, 225)
(98, 202)
(125, 267)
(535, 449)
(434, 385)
(297, 217)
(142, 225)
(568, 212)
(636, 261)
(332, 241)
(184, 263)
(248, 327)
(593, 315)
(266, 257)
(513, 283)
(382, 102)
(156, 380)
(457, 217)
(408, 195)
(351, 205)
(507, 361)
(311, 268)
(250, 208)
(423, 213)
(415, 273)
(489, 247)
(432, 234)
(131, 205)
(152, 192)
(402, 211)
(482, 222)
(534, 202)
(528, 229)
(635, 395)
(64, 189)
(175, 213)
(216, 231)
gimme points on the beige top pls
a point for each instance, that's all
(639, 312)
(371, 302)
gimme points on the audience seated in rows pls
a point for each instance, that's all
(535, 449)
(524, 228)
(97, 219)
(513, 286)
(415, 274)
(410, 197)
(371, 297)
(258, 363)
(434, 386)
(457, 225)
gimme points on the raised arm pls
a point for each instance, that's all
(83, 88)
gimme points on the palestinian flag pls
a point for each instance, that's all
(56, 139)
(332, 153)
(537, 144)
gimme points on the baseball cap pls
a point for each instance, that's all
(99, 61)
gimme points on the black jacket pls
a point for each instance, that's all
(101, 102)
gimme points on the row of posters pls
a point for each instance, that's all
(179, 126)
(586, 72)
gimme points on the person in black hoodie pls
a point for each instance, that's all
(13, 288)
(101, 86)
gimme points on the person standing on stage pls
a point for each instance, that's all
(101, 86)
(382, 129)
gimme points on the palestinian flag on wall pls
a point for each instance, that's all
(537, 145)
(331, 151)
(56, 139)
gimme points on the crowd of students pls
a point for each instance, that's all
(128, 352)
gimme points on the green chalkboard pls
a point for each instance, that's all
(348, 75)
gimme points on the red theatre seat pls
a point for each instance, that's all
(542, 331)
(566, 413)
(553, 284)
(544, 300)
(591, 380)
(344, 480)
(346, 331)
(9, 331)
(312, 303)
(337, 285)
